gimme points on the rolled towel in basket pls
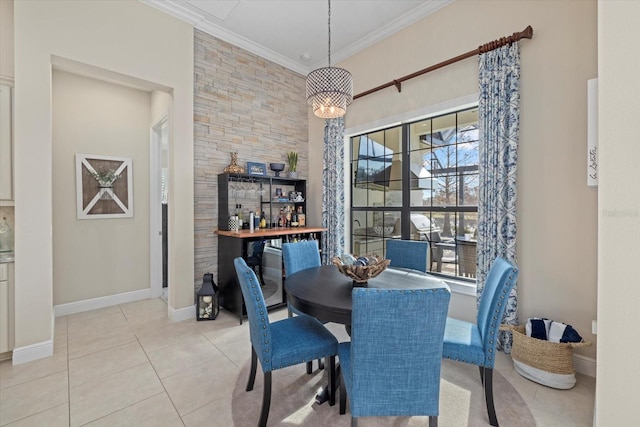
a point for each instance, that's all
(538, 327)
(559, 332)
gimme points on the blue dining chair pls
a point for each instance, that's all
(287, 342)
(300, 256)
(412, 254)
(391, 367)
(475, 343)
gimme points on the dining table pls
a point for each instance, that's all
(325, 293)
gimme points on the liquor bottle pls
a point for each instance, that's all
(294, 219)
(256, 219)
(239, 214)
(280, 218)
(252, 220)
(302, 218)
(263, 221)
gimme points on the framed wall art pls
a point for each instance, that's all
(259, 169)
(104, 187)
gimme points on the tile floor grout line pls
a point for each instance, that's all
(117, 410)
(161, 383)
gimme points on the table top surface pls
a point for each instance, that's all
(325, 293)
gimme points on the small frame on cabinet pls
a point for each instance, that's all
(104, 187)
(256, 169)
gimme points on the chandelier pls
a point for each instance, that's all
(329, 89)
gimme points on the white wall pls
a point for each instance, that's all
(6, 39)
(557, 212)
(127, 38)
(98, 257)
(619, 208)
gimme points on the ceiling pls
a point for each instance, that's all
(294, 33)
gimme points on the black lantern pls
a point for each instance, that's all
(207, 305)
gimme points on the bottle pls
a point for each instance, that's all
(280, 219)
(251, 221)
(302, 218)
(256, 219)
(263, 221)
(294, 219)
(239, 213)
(6, 236)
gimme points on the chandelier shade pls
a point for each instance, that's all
(329, 91)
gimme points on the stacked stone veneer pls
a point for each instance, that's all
(245, 104)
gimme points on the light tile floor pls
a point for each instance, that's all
(130, 365)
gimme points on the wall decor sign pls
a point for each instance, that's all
(259, 169)
(592, 133)
(104, 187)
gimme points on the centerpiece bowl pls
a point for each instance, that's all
(361, 269)
(276, 167)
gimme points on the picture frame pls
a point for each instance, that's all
(104, 187)
(256, 169)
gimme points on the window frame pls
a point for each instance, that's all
(406, 209)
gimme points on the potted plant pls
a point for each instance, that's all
(292, 159)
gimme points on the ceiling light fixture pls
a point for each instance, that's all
(329, 89)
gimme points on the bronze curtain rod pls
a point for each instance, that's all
(527, 33)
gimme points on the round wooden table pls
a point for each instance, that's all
(325, 293)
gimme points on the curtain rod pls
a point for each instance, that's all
(527, 33)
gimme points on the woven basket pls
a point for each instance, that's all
(361, 273)
(553, 357)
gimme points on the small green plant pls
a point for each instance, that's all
(292, 158)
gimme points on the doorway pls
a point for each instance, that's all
(159, 208)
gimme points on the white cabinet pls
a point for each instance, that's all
(6, 307)
(6, 144)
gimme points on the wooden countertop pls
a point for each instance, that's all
(269, 232)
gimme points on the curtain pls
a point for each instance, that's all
(499, 120)
(333, 189)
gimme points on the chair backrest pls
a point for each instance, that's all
(300, 256)
(259, 327)
(412, 254)
(500, 281)
(396, 351)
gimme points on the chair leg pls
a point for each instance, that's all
(266, 400)
(488, 396)
(481, 375)
(343, 394)
(331, 361)
(252, 372)
(433, 421)
(354, 422)
(309, 367)
(320, 364)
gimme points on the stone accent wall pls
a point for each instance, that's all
(245, 104)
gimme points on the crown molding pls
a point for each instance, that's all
(200, 22)
(387, 30)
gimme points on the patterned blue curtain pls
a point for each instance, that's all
(499, 122)
(333, 189)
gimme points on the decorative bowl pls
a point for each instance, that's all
(362, 273)
(276, 167)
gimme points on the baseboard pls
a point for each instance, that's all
(182, 313)
(101, 302)
(32, 352)
(584, 365)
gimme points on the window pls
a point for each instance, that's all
(419, 181)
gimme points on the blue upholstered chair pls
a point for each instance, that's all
(391, 367)
(300, 256)
(412, 254)
(283, 343)
(475, 343)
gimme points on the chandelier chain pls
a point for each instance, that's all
(329, 55)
